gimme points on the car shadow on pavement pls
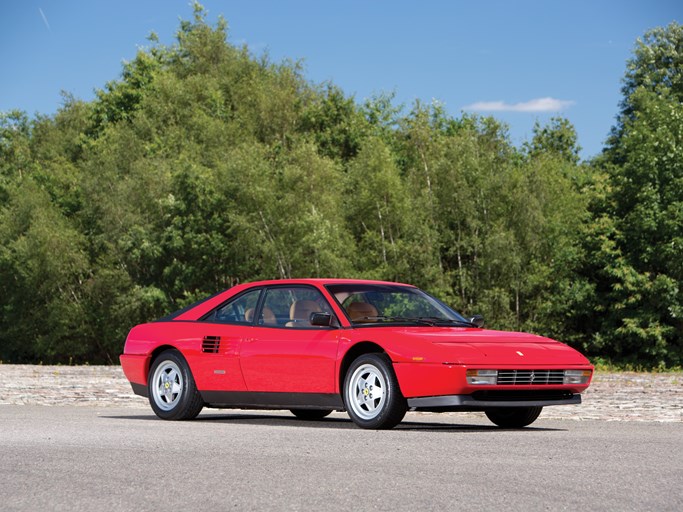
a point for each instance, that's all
(450, 427)
(335, 423)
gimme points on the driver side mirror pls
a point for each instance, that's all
(477, 320)
(321, 319)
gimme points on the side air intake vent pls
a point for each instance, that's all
(211, 344)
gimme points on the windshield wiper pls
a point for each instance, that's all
(401, 319)
(435, 320)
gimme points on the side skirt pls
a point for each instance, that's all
(263, 400)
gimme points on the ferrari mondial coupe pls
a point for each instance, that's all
(374, 349)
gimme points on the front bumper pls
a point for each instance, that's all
(435, 380)
(483, 402)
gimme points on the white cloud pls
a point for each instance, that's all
(535, 105)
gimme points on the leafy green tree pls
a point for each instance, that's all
(640, 275)
(655, 67)
(648, 208)
(43, 264)
(310, 216)
(15, 153)
(379, 213)
(335, 123)
(559, 138)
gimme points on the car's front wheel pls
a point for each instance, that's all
(173, 394)
(513, 417)
(372, 396)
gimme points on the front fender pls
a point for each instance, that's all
(429, 379)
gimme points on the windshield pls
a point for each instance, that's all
(378, 304)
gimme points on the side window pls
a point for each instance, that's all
(238, 310)
(292, 307)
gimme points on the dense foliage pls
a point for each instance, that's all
(204, 165)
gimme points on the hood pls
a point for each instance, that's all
(488, 347)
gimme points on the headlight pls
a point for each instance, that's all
(577, 376)
(478, 377)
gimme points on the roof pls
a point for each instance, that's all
(319, 280)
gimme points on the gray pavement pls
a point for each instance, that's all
(76, 438)
(122, 458)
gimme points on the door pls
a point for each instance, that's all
(286, 353)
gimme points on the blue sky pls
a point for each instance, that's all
(519, 61)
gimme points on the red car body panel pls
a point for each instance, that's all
(429, 361)
(278, 360)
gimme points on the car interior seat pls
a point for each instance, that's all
(267, 316)
(300, 313)
(362, 312)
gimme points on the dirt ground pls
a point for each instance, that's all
(611, 397)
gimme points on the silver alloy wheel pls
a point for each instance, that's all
(167, 389)
(367, 391)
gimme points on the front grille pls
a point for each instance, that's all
(530, 377)
(211, 344)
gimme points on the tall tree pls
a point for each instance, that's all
(655, 67)
(642, 274)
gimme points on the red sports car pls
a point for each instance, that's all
(372, 348)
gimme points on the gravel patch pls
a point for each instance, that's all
(611, 397)
(627, 396)
(101, 386)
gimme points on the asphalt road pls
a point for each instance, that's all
(89, 458)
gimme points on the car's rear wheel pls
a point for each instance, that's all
(513, 417)
(173, 394)
(372, 396)
(310, 414)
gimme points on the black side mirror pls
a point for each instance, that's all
(477, 320)
(321, 319)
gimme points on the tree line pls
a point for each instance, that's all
(204, 165)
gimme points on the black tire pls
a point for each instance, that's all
(310, 414)
(371, 393)
(172, 392)
(513, 417)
